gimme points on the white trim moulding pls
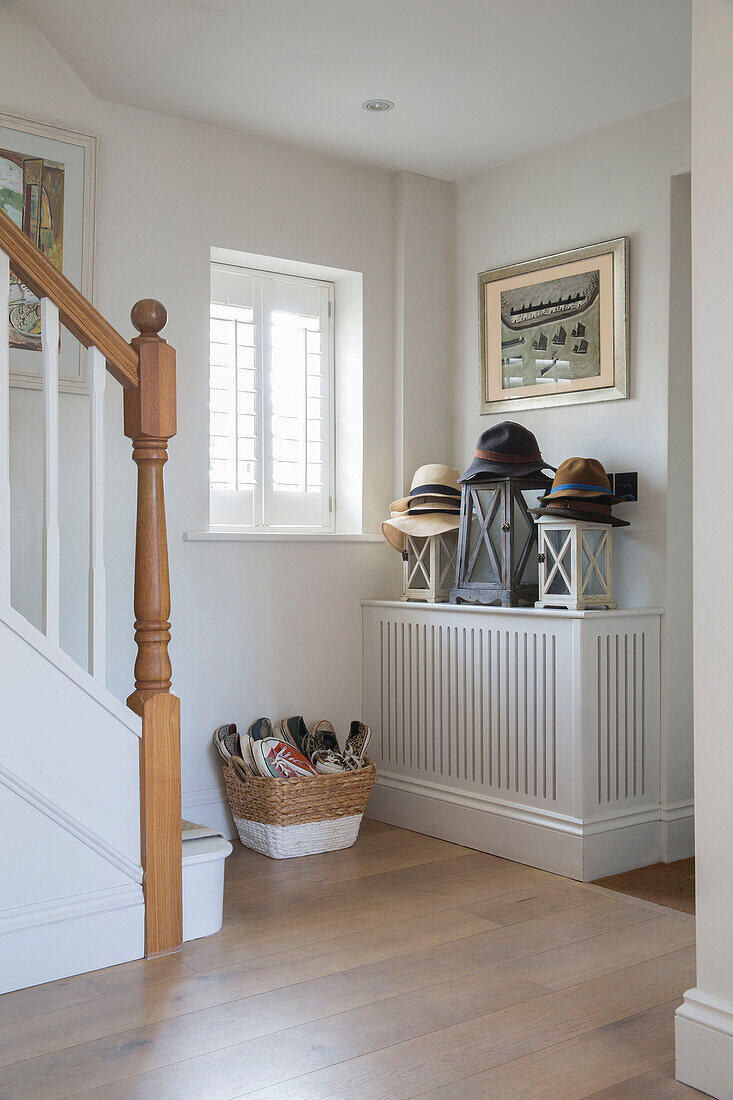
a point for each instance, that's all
(704, 1042)
(213, 535)
(678, 811)
(532, 612)
(71, 825)
(572, 826)
(69, 668)
(22, 917)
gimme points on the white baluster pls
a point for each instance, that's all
(97, 372)
(51, 541)
(4, 430)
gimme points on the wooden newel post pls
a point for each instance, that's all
(150, 421)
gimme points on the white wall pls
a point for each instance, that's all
(609, 183)
(257, 628)
(705, 1023)
(424, 313)
(271, 627)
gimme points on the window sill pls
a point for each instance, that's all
(231, 535)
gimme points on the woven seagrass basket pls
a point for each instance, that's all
(298, 817)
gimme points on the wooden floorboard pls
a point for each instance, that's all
(404, 966)
(657, 1084)
(669, 884)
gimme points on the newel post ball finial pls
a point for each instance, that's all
(149, 316)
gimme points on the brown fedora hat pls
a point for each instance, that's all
(581, 479)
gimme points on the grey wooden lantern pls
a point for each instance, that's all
(575, 564)
(429, 566)
(497, 541)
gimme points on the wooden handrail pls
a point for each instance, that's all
(77, 314)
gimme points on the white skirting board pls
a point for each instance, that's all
(551, 842)
(532, 734)
(678, 831)
(71, 936)
(704, 1040)
(209, 806)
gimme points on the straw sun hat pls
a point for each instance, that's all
(432, 507)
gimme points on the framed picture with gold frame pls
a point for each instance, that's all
(554, 331)
(48, 186)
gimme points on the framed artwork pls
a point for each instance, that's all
(48, 186)
(554, 331)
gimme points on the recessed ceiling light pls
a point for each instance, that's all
(377, 105)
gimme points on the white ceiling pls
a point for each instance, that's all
(475, 82)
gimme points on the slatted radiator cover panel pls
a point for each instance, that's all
(456, 700)
(550, 710)
(622, 702)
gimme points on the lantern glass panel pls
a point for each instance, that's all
(484, 569)
(419, 563)
(525, 529)
(556, 539)
(594, 546)
(447, 559)
(418, 581)
(522, 530)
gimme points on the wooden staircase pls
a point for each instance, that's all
(145, 368)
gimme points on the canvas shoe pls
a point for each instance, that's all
(243, 771)
(226, 740)
(328, 762)
(356, 745)
(294, 731)
(245, 751)
(261, 727)
(322, 738)
(280, 760)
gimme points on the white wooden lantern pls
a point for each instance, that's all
(429, 567)
(575, 564)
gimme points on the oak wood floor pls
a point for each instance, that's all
(402, 967)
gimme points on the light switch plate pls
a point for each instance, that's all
(626, 486)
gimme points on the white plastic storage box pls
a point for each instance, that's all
(203, 883)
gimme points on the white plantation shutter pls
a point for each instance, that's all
(271, 400)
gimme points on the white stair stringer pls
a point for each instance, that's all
(71, 897)
(66, 907)
(75, 828)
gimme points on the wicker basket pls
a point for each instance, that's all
(298, 817)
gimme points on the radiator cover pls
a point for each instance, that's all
(531, 734)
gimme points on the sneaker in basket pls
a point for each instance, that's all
(356, 745)
(294, 731)
(241, 768)
(226, 740)
(322, 738)
(280, 760)
(245, 751)
(328, 762)
(261, 727)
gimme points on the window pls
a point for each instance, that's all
(270, 400)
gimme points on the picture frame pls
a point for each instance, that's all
(48, 185)
(554, 330)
